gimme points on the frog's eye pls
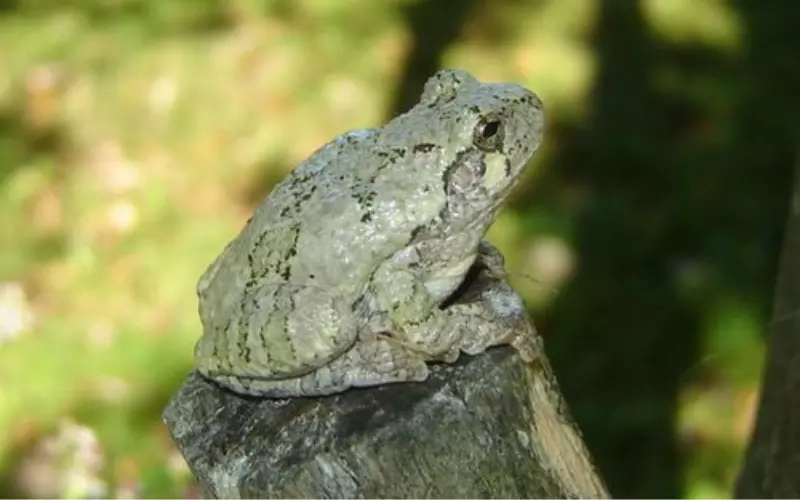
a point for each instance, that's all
(488, 133)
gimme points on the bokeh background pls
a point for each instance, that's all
(137, 136)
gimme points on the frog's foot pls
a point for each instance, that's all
(498, 317)
(526, 341)
(367, 363)
(484, 333)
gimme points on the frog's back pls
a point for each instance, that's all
(335, 217)
(278, 301)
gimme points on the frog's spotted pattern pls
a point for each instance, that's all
(337, 279)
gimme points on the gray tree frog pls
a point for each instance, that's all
(341, 277)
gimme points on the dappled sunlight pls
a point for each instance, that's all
(712, 22)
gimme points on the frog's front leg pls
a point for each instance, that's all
(485, 312)
(488, 311)
(415, 318)
(472, 328)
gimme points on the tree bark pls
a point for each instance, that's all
(771, 468)
(489, 426)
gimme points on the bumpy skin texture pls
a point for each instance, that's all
(340, 278)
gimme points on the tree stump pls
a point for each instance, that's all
(488, 426)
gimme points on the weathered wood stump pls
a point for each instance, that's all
(490, 425)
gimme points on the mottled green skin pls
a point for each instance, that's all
(337, 278)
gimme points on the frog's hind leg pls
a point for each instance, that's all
(380, 361)
(368, 363)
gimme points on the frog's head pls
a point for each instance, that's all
(488, 134)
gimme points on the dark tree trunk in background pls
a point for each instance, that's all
(772, 464)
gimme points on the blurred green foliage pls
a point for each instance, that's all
(136, 137)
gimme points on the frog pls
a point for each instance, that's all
(343, 275)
